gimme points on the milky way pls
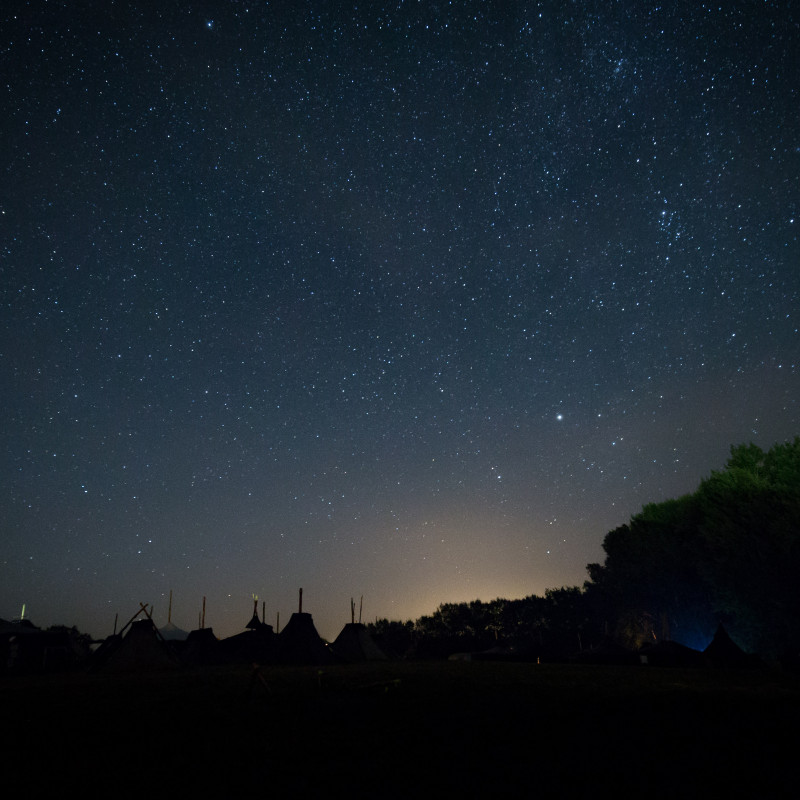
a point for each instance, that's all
(414, 302)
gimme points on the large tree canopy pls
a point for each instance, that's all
(728, 552)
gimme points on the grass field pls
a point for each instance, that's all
(405, 729)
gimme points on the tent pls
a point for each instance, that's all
(667, 653)
(257, 643)
(608, 652)
(496, 653)
(202, 648)
(299, 642)
(354, 643)
(141, 648)
(26, 648)
(172, 633)
(724, 653)
(20, 646)
(251, 646)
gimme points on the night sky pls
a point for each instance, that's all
(414, 300)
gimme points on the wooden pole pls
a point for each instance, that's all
(169, 613)
(277, 622)
(301, 601)
(360, 608)
(203, 621)
(352, 611)
(142, 608)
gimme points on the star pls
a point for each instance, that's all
(307, 288)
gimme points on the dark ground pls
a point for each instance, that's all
(405, 729)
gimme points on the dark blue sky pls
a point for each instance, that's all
(415, 301)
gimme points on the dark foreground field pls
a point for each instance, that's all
(405, 729)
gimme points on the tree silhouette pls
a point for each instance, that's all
(728, 552)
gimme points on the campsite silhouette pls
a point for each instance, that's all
(292, 712)
(584, 690)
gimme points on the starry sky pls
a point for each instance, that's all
(412, 301)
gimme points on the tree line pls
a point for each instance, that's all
(727, 553)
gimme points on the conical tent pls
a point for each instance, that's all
(354, 643)
(202, 647)
(724, 652)
(172, 633)
(671, 654)
(255, 644)
(607, 652)
(255, 623)
(142, 648)
(299, 642)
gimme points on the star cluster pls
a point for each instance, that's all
(414, 301)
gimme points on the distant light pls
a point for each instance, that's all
(210, 24)
(559, 417)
